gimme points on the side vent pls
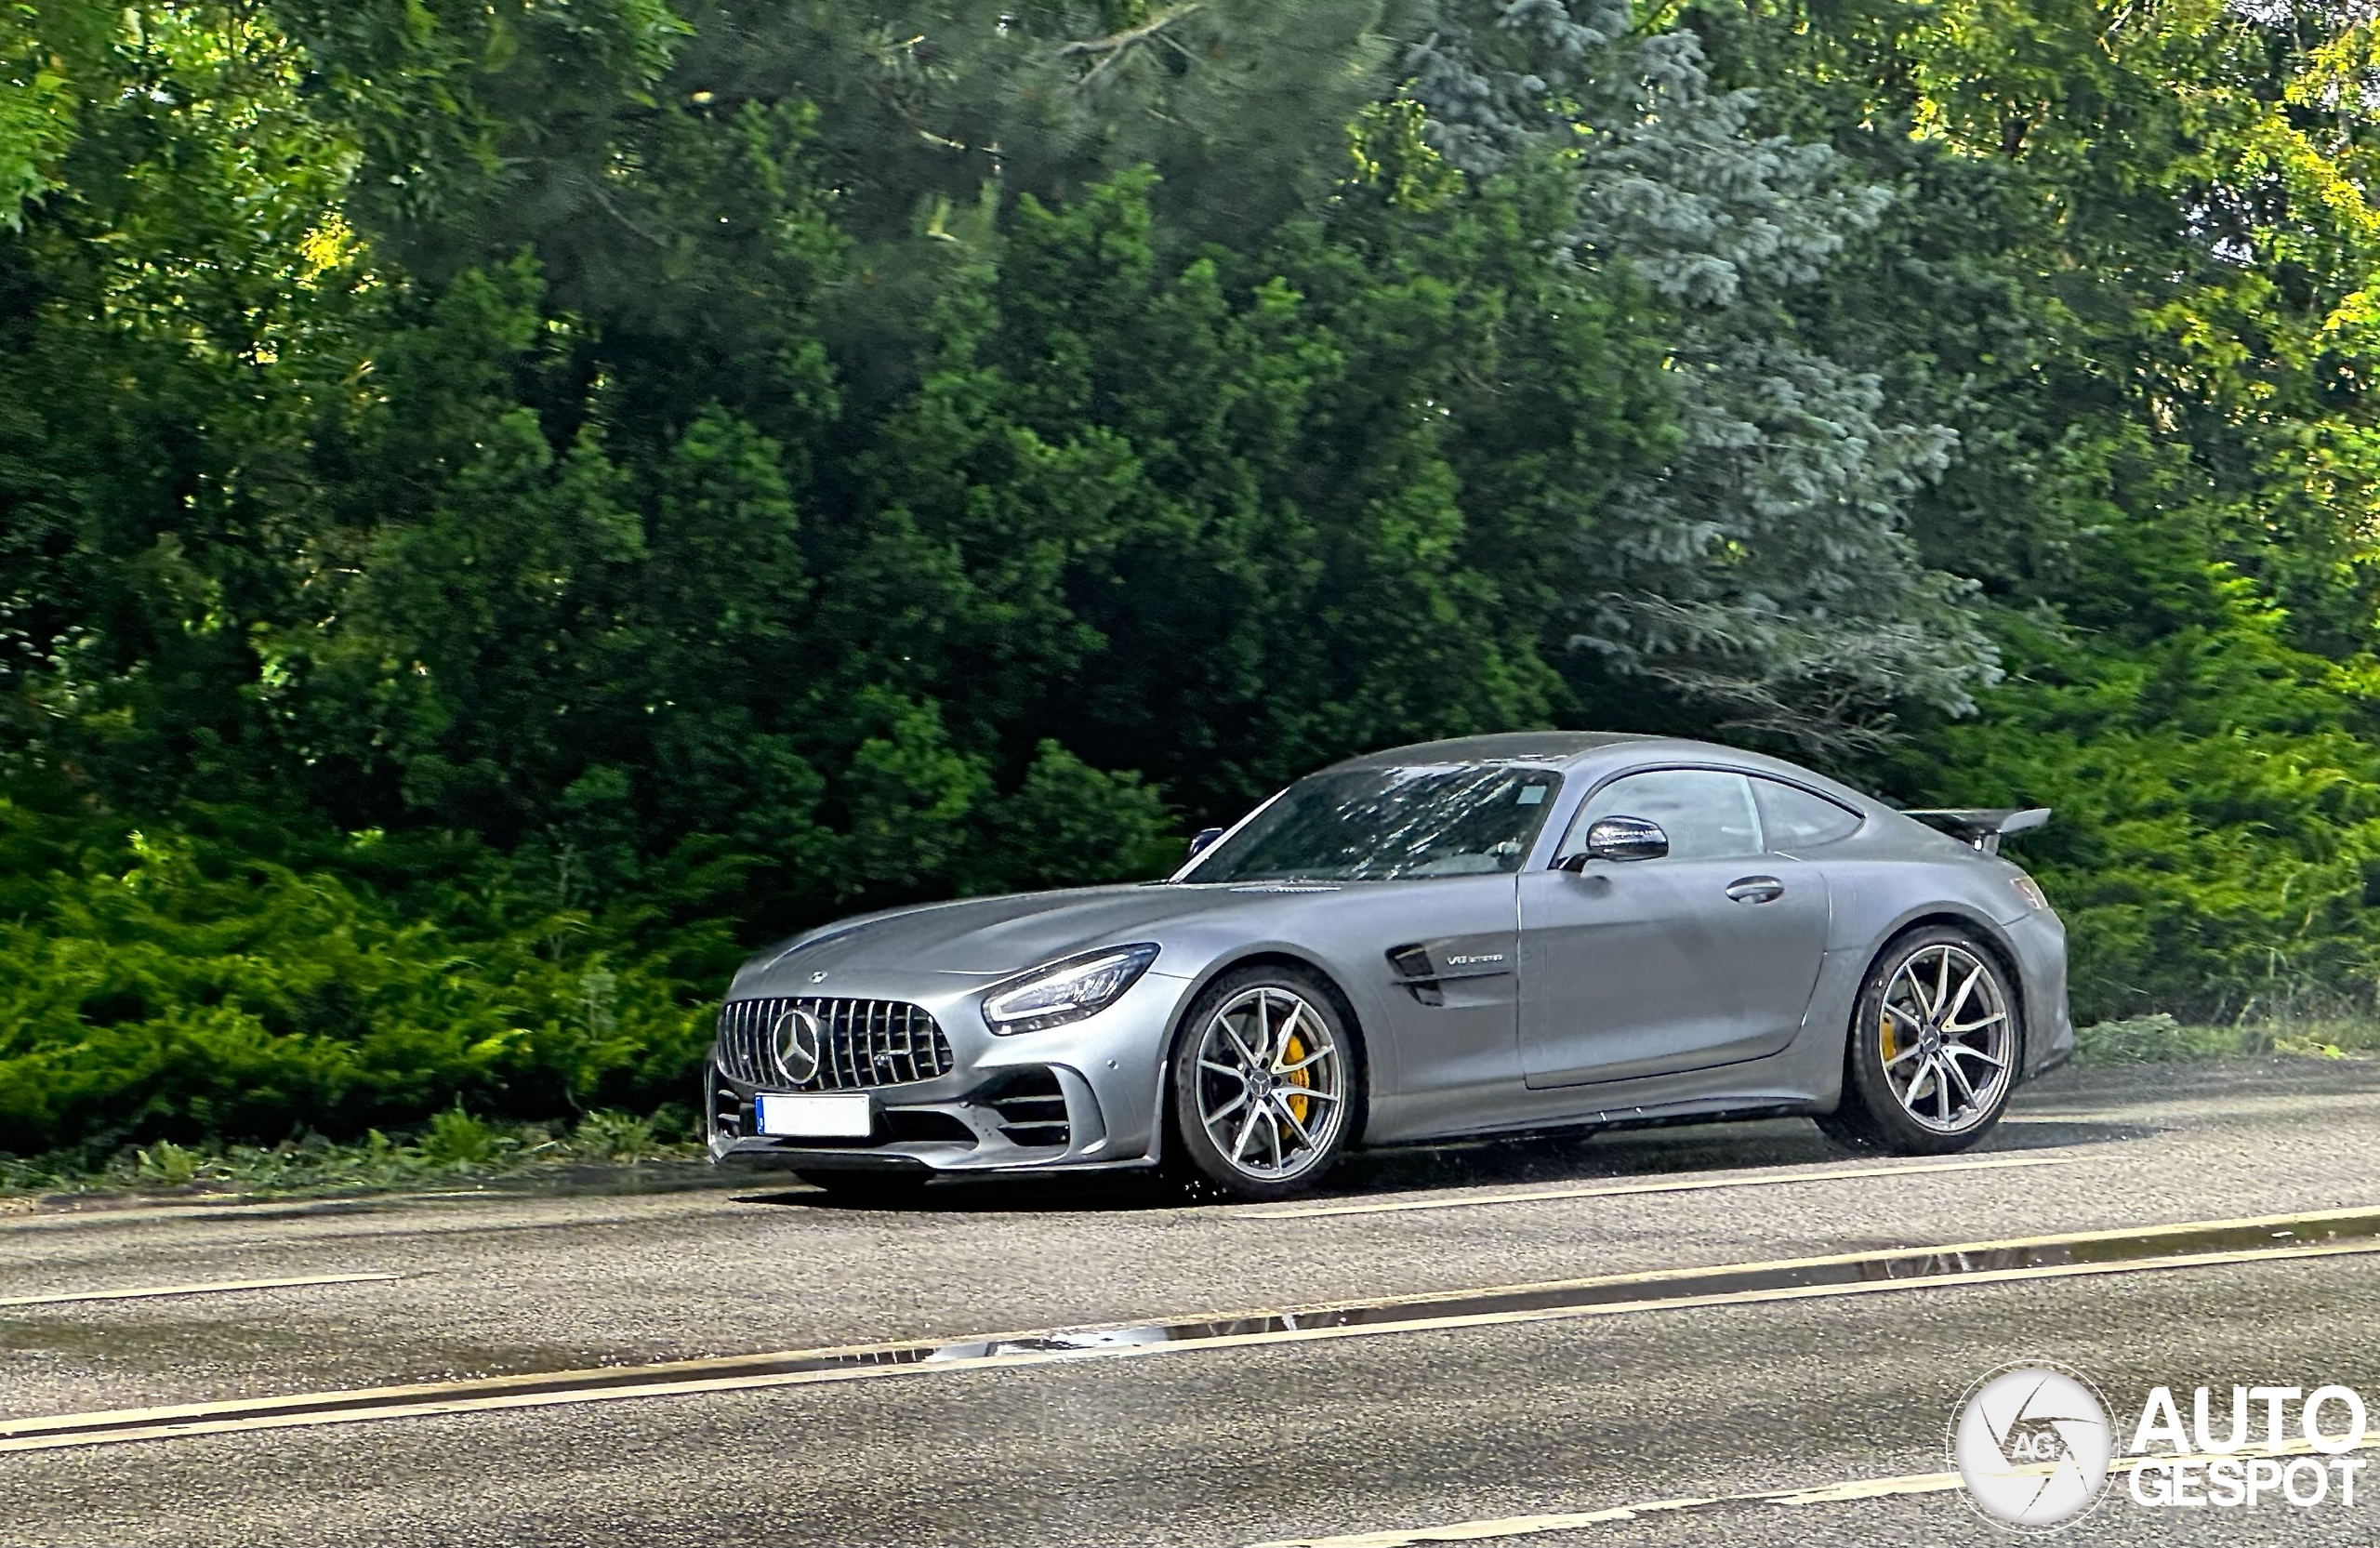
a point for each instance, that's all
(1426, 967)
(1411, 965)
(1032, 1108)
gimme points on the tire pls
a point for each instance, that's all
(1280, 1038)
(880, 1190)
(1934, 1048)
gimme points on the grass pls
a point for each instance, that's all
(455, 1147)
(2159, 1039)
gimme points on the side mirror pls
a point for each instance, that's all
(1204, 842)
(1621, 839)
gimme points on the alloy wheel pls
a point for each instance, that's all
(1272, 1083)
(1945, 1038)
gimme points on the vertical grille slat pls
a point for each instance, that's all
(735, 1046)
(867, 1043)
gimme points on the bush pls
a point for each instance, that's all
(456, 1138)
(455, 1146)
(168, 1163)
(168, 988)
(614, 1137)
(2216, 845)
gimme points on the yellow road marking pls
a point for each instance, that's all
(1825, 1494)
(1670, 1185)
(151, 1292)
(1045, 1346)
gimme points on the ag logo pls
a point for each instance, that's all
(795, 1043)
(2032, 1444)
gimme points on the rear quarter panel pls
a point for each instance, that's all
(1898, 873)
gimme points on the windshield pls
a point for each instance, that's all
(1375, 824)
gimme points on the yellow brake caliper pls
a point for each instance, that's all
(1886, 1022)
(1290, 1055)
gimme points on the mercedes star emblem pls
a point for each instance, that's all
(797, 1038)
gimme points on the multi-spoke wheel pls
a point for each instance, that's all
(1934, 1048)
(1264, 1082)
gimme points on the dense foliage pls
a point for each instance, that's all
(503, 506)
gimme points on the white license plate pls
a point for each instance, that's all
(818, 1117)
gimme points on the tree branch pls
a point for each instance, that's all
(1114, 46)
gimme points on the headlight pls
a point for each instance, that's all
(1066, 990)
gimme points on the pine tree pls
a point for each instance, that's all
(1765, 569)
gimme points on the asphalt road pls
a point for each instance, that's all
(1465, 1430)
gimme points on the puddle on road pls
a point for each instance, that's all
(2172, 1246)
(1651, 1289)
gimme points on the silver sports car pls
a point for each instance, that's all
(1494, 935)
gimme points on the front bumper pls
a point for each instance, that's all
(1083, 1095)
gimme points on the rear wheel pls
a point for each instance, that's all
(1263, 1084)
(875, 1189)
(1934, 1046)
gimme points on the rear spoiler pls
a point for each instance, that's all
(1983, 827)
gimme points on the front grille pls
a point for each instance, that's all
(863, 1043)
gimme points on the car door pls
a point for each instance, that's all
(1703, 957)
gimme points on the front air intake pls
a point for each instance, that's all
(1032, 1108)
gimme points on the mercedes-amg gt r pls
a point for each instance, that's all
(1494, 935)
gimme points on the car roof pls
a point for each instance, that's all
(1559, 748)
(1567, 750)
(1513, 747)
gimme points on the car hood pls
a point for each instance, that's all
(993, 936)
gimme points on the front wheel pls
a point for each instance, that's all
(1934, 1048)
(1263, 1083)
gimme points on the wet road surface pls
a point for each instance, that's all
(1485, 1343)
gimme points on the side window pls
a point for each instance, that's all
(1796, 820)
(1707, 812)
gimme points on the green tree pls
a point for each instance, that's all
(504, 507)
(1763, 575)
(2127, 260)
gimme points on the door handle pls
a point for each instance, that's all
(1756, 888)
